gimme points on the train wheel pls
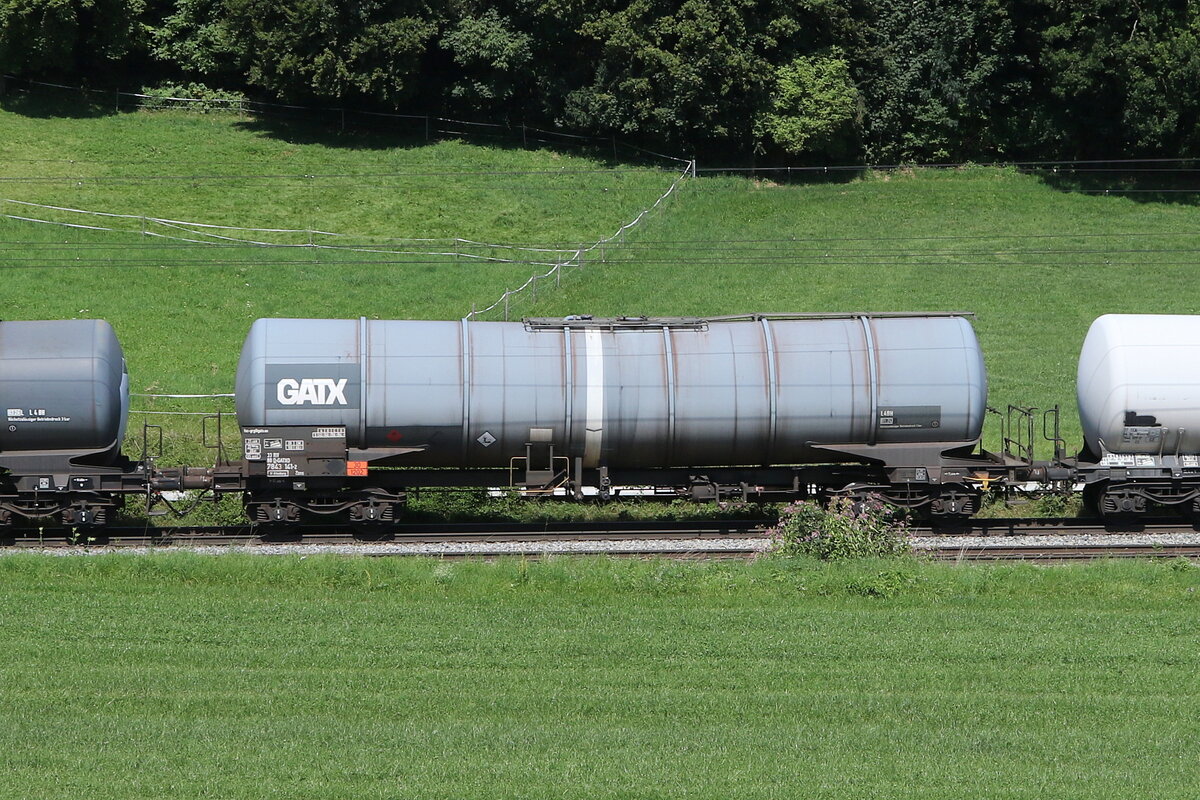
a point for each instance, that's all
(953, 505)
(372, 512)
(1122, 505)
(276, 512)
(1092, 493)
(1191, 512)
(84, 515)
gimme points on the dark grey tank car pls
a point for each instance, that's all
(64, 392)
(64, 396)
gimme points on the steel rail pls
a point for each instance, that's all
(413, 533)
(1048, 526)
(1058, 552)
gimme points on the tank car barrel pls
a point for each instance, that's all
(625, 392)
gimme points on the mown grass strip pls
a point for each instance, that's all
(238, 676)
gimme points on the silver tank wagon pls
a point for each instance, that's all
(752, 390)
(64, 393)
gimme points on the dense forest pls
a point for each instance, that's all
(806, 81)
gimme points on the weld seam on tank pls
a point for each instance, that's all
(569, 386)
(669, 359)
(465, 374)
(364, 344)
(872, 379)
(772, 389)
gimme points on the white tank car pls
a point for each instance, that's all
(1139, 384)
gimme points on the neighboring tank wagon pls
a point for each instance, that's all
(1139, 384)
(64, 392)
(1139, 407)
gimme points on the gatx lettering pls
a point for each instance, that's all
(313, 391)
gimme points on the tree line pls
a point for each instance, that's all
(806, 81)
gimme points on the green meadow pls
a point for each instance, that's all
(242, 676)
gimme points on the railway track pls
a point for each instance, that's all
(411, 533)
(1065, 526)
(981, 540)
(1057, 552)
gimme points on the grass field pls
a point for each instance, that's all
(239, 676)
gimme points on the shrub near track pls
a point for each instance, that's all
(237, 676)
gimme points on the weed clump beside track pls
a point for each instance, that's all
(844, 530)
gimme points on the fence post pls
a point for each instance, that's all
(506, 305)
(524, 140)
(533, 285)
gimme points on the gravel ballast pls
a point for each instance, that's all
(623, 547)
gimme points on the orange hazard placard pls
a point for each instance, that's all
(356, 469)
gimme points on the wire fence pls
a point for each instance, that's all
(526, 293)
(456, 248)
(201, 233)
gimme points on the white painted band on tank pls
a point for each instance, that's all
(593, 345)
(364, 377)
